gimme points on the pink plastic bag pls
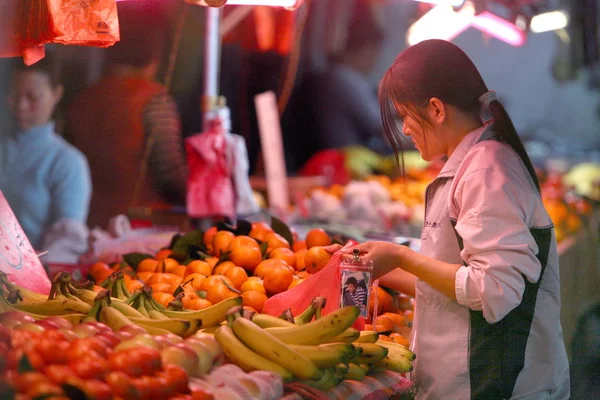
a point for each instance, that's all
(17, 258)
(325, 283)
(210, 187)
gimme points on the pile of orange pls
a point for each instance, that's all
(394, 316)
(237, 266)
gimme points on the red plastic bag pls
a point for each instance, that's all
(210, 190)
(11, 25)
(330, 163)
(325, 283)
(85, 22)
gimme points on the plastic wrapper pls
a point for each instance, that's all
(11, 14)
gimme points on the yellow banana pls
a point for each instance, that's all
(366, 368)
(394, 362)
(341, 369)
(355, 372)
(367, 337)
(245, 358)
(74, 319)
(269, 321)
(320, 331)
(398, 348)
(210, 316)
(371, 353)
(126, 309)
(85, 295)
(348, 336)
(177, 326)
(326, 355)
(54, 307)
(113, 318)
(155, 314)
(265, 344)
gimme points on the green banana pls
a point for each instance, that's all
(326, 355)
(306, 316)
(265, 344)
(355, 372)
(248, 360)
(54, 307)
(29, 296)
(341, 369)
(366, 368)
(178, 327)
(398, 348)
(371, 353)
(394, 362)
(126, 309)
(210, 316)
(154, 314)
(74, 319)
(367, 337)
(348, 336)
(327, 381)
(269, 321)
(320, 331)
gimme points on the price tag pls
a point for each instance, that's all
(272, 150)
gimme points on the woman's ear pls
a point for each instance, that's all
(57, 94)
(437, 111)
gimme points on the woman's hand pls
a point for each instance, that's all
(385, 256)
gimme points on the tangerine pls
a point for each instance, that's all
(219, 292)
(300, 254)
(275, 241)
(385, 321)
(397, 319)
(284, 254)
(211, 261)
(245, 252)
(134, 285)
(267, 265)
(147, 265)
(295, 282)
(208, 237)
(223, 267)
(196, 280)
(198, 267)
(221, 241)
(302, 274)
(253, 284)
(398, 338)
(385, 301)
(214, 280)
(161, 287)
(99, 272)
(317, 237)
(260, 230)
(170, 265)
(162, 254)
(299, 245)
(143, 276)
(180, 270)
(254, 299)
(278, 279)
(197, 304)
(315, 259)
(163, 298)
(237, 275)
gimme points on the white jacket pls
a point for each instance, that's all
(502, 337)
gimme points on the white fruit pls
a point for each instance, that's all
(272, 380)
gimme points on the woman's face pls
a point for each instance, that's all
(422, 133)
(32, 98)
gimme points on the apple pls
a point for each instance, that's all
(204, 355)
(85, 330)
(132, 328)
(109, 338)
(140, 340)
(124, 335)
(69, 334)
(101, 327)
(13, 318)
(48, 325)
(171, 337)
(29, 326)
(60, 322)
(182, 356)
(210, 342)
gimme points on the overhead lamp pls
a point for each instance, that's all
(453, 3)
(499, 28)
(441, 22)
(549, 21)
(290, 4)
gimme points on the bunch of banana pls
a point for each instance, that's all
(398, 359)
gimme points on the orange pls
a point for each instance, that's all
(197, 304)
(161, 287)
(157, 277)
(299, 245)
(398, 338)
(223, 267)
(99, 272)
(143, 276)
(380, 328)
(284, 254)
(385, 301)
(147, 265)
(190, 296)
(199, 267)
(295, 282)
(221, 242)
(98, 289)
(208, 237)
(267, 265)
(170, 265)
(253, 284)
(180, 270)
(315, 259)
(317, 237)
(368, 327)
(408, 317)
(134, 285)
(260, 230)
(278, 279)
(245, 252)
(164, 253)
(397, 319)
(385, 321)
(212, 261)
(300, 254)
(275, 241)
(219, 292)
(163, 298)
(385, 338)
(302, 274)
(195, 280)
(237, 275)
(214, 280)
(254, 299)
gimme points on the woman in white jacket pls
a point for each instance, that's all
(486, 280)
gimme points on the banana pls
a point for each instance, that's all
(85, 295)
(396, 347)
(328, 380)
(269, 321)
(210, 316)
(367, 337)
(29, 296)
(265, 344)
(371, 353)
(341, 369)
(54, 307)
(306, 316)
(394, 362)
(74, 319)
(320, 331)
(155, 314)
(366, 368)
(326, 355)
(355, 372)
(113, 318)
(126, 309)
(178, 327)
(348, 336)
(245, 358)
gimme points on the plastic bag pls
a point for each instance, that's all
(11, 23)
(85, 22)
(325, 283)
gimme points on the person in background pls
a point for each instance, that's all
(45, 180)
(112, 120)
(486, 280)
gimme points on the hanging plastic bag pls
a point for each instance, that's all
(210, 187)
(85, 22)
(325, 283)
(11, 43)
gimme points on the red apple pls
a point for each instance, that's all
(204, 354)
(182, 356)
(101, 327)
(85, 330)
(29, 326)
(48, 325)
(13, 318)
(109, 338)
(142, 340)
(124, 335)
(134, 329)
(61, 322)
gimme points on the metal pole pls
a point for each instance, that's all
(212, 59)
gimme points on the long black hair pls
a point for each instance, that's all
(436, 68)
